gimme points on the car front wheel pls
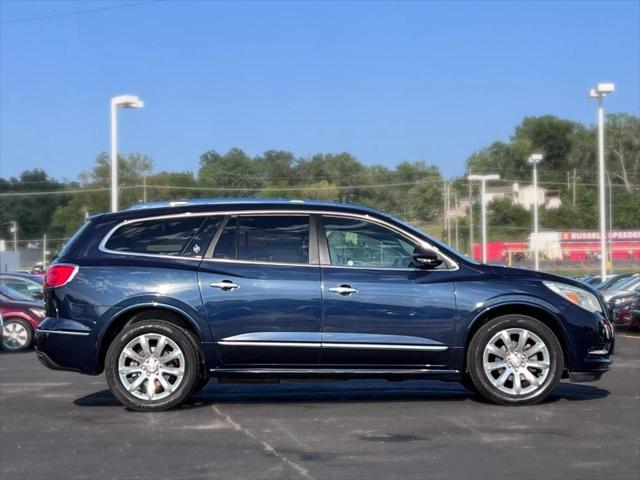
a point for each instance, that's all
(515, 360)
(152, 365)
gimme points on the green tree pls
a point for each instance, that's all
(33, 213)
(230, 174)
(508, 219)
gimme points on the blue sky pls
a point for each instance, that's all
(386, 82)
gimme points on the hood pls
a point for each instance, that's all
(609, 294)
(511, 272)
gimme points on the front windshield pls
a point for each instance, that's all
(628, 284)
(436, 243)
(612, 281)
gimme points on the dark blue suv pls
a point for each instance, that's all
(164, 296)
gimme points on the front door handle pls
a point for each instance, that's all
(225, 285)
(344, 290)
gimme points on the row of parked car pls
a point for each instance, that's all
(622, 294)
(21, 309)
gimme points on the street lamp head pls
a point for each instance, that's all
(535, 158)
(127, 101)
(602, 90)
(605, 88)
(491, 176)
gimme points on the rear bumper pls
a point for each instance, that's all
(47, 362)
(64, 348)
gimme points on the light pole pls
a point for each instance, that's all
(600, 91)
(121, 101)
(610, 223)
(14, 230)
(534, 159)
(483, 190)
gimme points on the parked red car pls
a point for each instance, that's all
(21, 316)
(625, 310)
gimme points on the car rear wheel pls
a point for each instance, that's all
(16, 335)
(515, 360)
(152, 365)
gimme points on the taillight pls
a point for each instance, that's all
(59, 275)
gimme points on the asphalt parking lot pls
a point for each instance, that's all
(64, 425)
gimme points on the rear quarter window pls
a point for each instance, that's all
(74, 239)
(172, 236)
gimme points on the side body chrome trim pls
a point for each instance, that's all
(270, 344)
(379, 346)
(339, 371)
(452, 264)
(368, 346)
(63, 332)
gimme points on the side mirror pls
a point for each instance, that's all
(426, 258)
(37, 295)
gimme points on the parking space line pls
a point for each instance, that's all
(303, 472)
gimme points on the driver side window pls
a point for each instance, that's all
(359, 243)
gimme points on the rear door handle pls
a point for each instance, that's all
(344, 290)
(226, 285)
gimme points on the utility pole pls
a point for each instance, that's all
(449, 214)
(444, 211)
(144, 190)
(599, 92)
(44, 251)
(483, 189)
(534, 159)
(574, 187)
(122, 101)
(14, 230)
(470, 220)
(456, 221)
(610, 223)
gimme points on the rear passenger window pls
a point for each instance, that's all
(171, 236)
(268, 238)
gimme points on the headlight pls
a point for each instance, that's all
(576, 295)
(38, 312)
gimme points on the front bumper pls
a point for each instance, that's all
(59, 346)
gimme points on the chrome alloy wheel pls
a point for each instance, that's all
(14, 336)
(151, 366)
(516, 361)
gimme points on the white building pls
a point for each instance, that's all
(525, 196)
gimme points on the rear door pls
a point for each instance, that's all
(381, 310)
(261, 290)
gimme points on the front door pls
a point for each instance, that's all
(261, 291)
(381, 310)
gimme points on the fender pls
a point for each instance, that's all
(186, 311)
(471, 318)
(9, 314)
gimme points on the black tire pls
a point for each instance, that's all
(8, 344)
(481, 380)
(200, 384)
(191, 365)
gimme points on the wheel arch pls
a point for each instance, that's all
(17, 315)
(142, 312)
(520, 308)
